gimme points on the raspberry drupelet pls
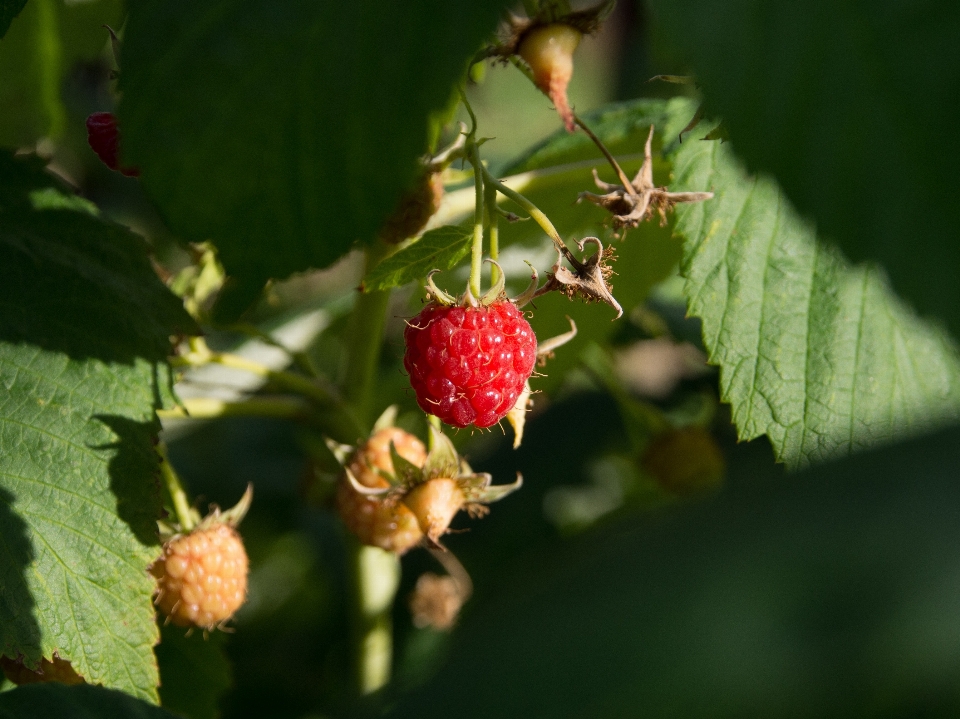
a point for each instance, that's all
(468, 365)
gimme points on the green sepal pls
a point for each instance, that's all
(442, 460)
(478, 488)
(405, 473)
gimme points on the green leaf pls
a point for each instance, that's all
(84, 333)
(44, 42)
(77, 702)
(439, 249)
(854, 112)
(286, 132)
(9, 9)
(815, 353)
(194, 671)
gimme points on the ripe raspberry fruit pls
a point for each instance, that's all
(103, 136)
(202, 576)
(548, 50)
(381, 521)
(468, 365)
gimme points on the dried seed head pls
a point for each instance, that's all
(436, 601)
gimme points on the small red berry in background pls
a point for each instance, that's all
(468, 365)
(103, 135)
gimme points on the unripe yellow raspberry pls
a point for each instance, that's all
(202, 577)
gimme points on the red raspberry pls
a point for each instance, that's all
(468, 365)
(202, 576)
(103, 136)
(381, 521)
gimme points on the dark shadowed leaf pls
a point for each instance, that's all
(78, 702)
(285, 132)
(854, 112)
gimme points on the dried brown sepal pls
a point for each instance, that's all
(588, 280)
(631, 203)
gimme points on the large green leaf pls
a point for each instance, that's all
(9, 9)
(194, 672)
(826, 594)
(285, 132)
(854, 111)
(77, 702)
(43, 43)
(84, 332)
(815, 353)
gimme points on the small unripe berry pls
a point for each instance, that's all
(380, 521)
(202, 576)
(415, 209)
(435, 503)
(468, 365)
(548, 50)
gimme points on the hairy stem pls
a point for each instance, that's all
(181, 505)
(211, 407)
(627, 185)
(476, 255)
(375, 573)
(493, 227)
(532, 210)
(376, 576)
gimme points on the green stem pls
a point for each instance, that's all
(532, 210)
(181, 506)
(210, 408)
(376, 576)
(200, 356)
(363, 348)
(476, 256)
(375, 573)
(493, 227)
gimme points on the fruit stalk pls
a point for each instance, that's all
(376, 576)
(181, 505)
(476, 256)
(375, 572)
(493, 228)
